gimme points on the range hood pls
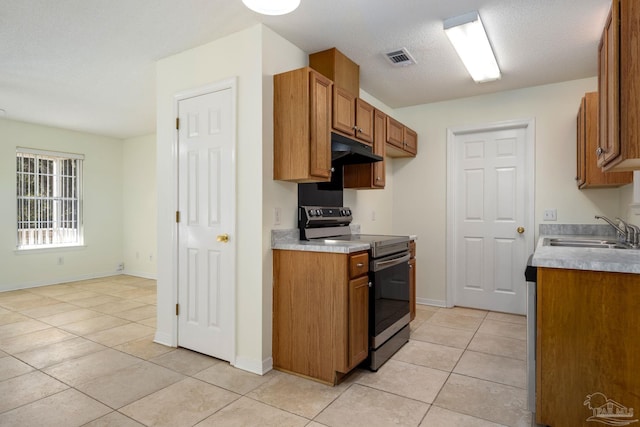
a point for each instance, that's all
(346, 151)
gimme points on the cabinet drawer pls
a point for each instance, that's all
(358, 264)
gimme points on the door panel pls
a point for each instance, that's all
(206, 266)
(489, 255)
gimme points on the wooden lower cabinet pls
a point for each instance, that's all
(320, 313)
(588, 351)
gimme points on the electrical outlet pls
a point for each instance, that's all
(373, 215)
(121, 266)
(550, 215)
(277, 213)
(60, 260)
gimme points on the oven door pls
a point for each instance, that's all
(389, 301)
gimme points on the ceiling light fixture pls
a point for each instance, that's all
(468, 37)
(272, 7)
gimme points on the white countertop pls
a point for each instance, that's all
(596, 259)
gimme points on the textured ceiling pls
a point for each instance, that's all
(89, 65)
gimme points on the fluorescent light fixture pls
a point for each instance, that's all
(272, 7)
(470, 40)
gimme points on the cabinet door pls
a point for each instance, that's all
(589, 175)
(358, 320)
(379, 142)
(412, 279)
(395, 133)
(320, 132)
(344, 111)
(608, 82)
(364, 121)
(410, 141)
(580, 146)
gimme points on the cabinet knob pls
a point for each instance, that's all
(599, 151)
(377, 178)
(520, 230)
(370, 284)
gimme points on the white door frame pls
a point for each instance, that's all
(529, 126)
(232, 84)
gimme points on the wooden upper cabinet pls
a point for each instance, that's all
(364, 121)
(619, 88)
(351, 116)
(589, 175)
(344, 111)
(401, 140)
(370, 175)
(302, 126)
(333, 64)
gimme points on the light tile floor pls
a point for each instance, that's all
(82, 354)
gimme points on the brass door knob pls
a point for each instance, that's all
(520, 230)
(224, 238)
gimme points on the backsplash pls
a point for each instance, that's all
(577, 229)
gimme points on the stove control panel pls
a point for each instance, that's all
(326, 214)
(314, 217)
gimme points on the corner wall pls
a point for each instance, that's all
(102, 206)
(139, 198)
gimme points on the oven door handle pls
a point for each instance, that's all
(381, 265)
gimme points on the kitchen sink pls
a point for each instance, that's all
(576, 242)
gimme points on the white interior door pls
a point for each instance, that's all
(206, 231)
(491, 230)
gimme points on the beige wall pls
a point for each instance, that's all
(139, 206)
(420, 184)
(102, 208)
(238, 55)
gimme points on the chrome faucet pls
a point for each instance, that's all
(632, 232)
(622, 233)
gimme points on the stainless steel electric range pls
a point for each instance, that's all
(388, 276)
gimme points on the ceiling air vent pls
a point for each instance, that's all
(400, 57)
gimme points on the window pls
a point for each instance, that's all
(49, 196)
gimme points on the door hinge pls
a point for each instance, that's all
(177, 122)
(177, 216)
(177, 309)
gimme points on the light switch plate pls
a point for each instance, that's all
(550, 215)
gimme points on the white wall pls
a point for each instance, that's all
(139, 206)
(238, 55)
(102, 208)
(420, 184)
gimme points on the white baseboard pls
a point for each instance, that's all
(47, 282)
(164, 339)
(254, 366)
(140, 274)
(433, 302)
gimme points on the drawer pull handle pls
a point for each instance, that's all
(359, 265)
